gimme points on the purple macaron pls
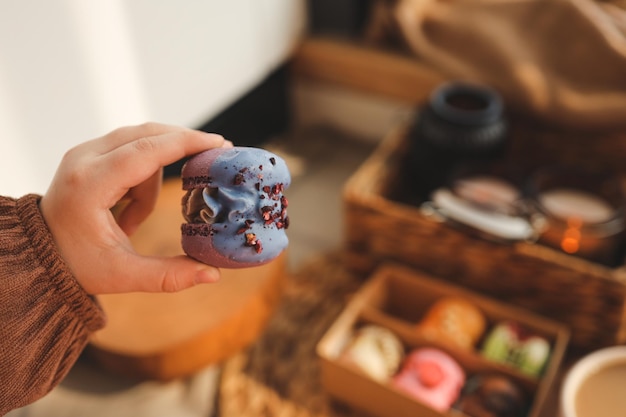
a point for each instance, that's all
(234, 208)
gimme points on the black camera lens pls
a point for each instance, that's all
(462, 119)
(466, 104)
(461, 123)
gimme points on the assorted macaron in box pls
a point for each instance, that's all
(430, 348)
(460, 323)
(492, 395)
(426, 374)
(376, 351)
(512, 344)
(453, 320)
(431, 373)
(432, 377)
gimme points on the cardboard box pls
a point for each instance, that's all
(397, 297)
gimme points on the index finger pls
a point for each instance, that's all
(127, 134)
(136, 161)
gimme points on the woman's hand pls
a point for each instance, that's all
(125, 164)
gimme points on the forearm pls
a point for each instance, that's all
(45, 315)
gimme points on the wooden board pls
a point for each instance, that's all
(366, 69)
(165, 336)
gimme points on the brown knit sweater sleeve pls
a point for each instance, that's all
(45, 315)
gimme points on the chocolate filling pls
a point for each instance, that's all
(195, 209)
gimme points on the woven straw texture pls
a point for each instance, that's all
(280, 374)
(588, 297)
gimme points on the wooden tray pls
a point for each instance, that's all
(396, 298)
(165, 336)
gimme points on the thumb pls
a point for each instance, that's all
(163, 274)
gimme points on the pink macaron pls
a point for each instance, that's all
(432, 377)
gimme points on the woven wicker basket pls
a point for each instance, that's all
(588, 297)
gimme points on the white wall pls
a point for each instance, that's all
(71, 70)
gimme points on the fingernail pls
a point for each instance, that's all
(207, 276)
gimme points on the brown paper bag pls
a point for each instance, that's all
(561, 60)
